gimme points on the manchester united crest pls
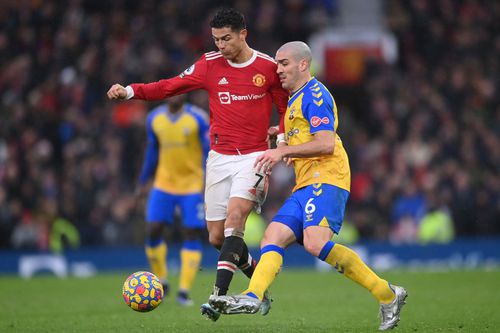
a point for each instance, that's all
(259, 80)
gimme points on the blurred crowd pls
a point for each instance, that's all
(429, 140)
(423, 147)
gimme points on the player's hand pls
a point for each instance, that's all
(265, 162)
(272, 132)
(139, 191)
(288, 160)
(117, 91)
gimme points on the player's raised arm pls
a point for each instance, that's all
(191, 79)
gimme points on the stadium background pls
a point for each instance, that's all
(419, 113)
(417, 85)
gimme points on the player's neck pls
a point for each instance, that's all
(300, 84)
(245, 54)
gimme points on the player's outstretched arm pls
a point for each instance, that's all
(322, 144)
(117, 91)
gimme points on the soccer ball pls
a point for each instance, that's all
(142, 291)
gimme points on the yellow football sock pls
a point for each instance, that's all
(266, 271)
(190, 264)
(348, 262)
(157, 257)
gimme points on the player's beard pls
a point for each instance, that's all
(284, 84)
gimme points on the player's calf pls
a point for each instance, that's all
(228, 260)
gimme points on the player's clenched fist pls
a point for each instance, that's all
(117, 91)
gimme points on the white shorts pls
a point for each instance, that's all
(231, 176)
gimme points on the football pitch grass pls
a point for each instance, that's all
(305, 301)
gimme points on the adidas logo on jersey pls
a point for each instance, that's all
(223, 81)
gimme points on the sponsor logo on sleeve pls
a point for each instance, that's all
(188, 71)
(316, 121)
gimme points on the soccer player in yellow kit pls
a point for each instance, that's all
(315, 210)
(177, 148)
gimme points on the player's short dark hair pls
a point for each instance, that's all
(228, 17)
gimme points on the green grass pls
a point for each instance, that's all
(305, 301)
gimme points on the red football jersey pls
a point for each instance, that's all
(240, 98)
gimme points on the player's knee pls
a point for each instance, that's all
(154, 231)
(191, 234)
(235, 219)
(267, 240)
(279, 235)
(216, 240)
(312, 247)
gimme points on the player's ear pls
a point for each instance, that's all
(243, 33)
(303, 66)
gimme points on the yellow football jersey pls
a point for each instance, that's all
(177, 148)
(311, 109)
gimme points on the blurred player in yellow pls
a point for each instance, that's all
(315, 210)
(177, 147)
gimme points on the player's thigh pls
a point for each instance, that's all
(279, 234)
(192, 211)
(323, 205)
(160, 207)
(290, 217)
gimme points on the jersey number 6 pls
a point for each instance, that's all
(310, 207)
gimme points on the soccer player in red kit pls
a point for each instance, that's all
(242, 86)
